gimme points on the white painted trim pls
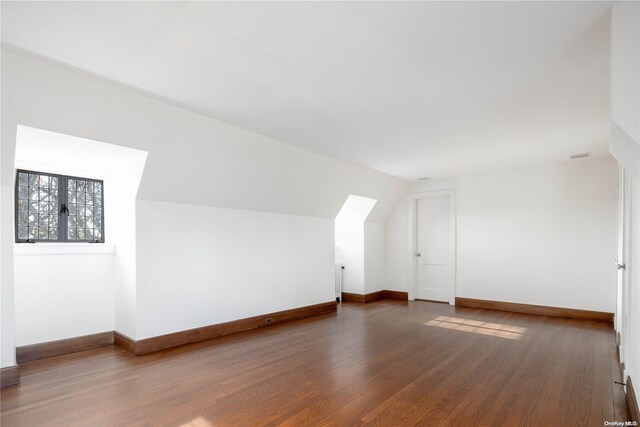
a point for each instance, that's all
(623, 279)
(62, 248)
(412, 201)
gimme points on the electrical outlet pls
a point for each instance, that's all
(268, 321)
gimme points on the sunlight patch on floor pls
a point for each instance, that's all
(197, 422)
(477, 327)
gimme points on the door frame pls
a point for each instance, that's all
(412, 201)
(621, 323)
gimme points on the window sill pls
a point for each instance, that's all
(62, 248)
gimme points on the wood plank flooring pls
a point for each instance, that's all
(385, 363)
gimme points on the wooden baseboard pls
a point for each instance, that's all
(632, 402)
(124, 342)
(349, 297)
(570, 313)
(9, 376)
(373, 296)
(396, 295)
(44, 350)
(360, 298)
(150, 345)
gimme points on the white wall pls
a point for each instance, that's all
(7, 297)
(62, 295)
(246, 171)
(625, 65)
(625, 147)
(373, 257)
(543, 235)
(396, 273)
(200, 265)
(632, 363)
(624, 127)
(349, 242)
(361, 251)
(58, 283)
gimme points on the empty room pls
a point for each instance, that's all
(320, 213)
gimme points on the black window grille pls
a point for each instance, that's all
(58, 208)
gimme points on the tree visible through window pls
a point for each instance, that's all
(58, 208)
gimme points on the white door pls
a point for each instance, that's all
(622, 308)
(435, 248)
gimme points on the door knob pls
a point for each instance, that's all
(620, 266)
(418, 254)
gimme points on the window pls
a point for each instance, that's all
(58, 208)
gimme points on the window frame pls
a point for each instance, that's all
(63, 191)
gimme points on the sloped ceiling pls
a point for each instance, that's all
(191, 159)
(411, 89)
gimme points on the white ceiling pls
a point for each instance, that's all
(411, 89)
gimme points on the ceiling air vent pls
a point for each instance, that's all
(424, 178)
(579, 156)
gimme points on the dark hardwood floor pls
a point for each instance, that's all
(384, 363)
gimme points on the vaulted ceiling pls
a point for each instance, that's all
(407, 88)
